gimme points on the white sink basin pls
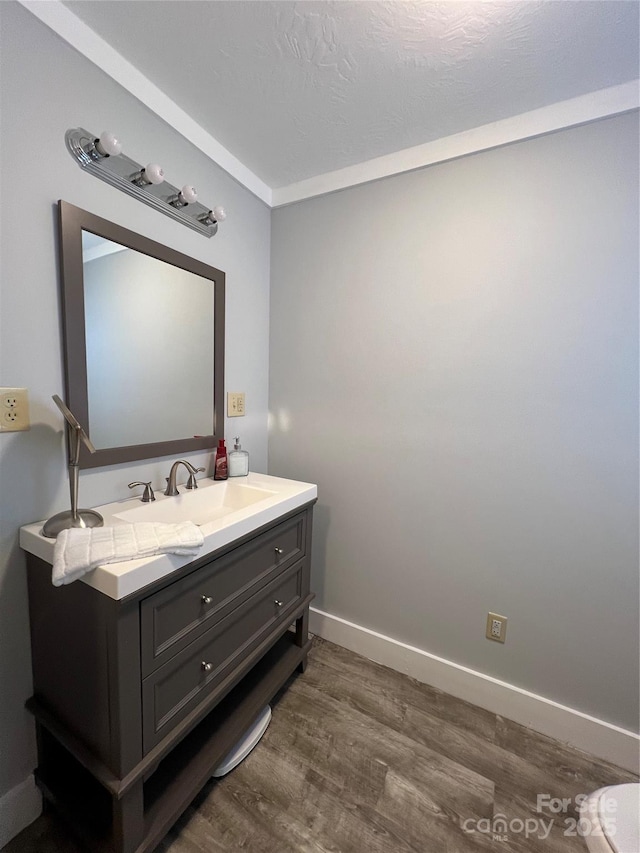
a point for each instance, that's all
(201, 506)
(224, 511)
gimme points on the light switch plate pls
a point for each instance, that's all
(235, 404)
(14, 410)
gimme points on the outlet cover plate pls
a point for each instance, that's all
(496, 627)
(14, 410)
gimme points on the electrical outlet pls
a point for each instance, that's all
(14, 410)
(496, 627)
(235, 404)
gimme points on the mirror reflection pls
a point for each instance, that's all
(149, 347)
(143, 342)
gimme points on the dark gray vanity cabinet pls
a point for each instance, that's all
(138, 700)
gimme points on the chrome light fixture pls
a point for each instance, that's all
(218, 214)
(151, 174)
(106, 145)
(102, 156)
(187, 195)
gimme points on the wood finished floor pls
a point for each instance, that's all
(361, 759)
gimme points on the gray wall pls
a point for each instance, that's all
(454, 358)
(453, 361)
(46, 88)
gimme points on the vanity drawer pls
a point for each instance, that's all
(180, 685)
(175, 616)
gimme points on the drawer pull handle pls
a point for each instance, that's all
(206, 599)
(207, 667)
(279, 551)
(278, 603)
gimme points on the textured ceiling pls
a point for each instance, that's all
(296, 89)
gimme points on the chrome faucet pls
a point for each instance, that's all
(148, 491)
(171, 489)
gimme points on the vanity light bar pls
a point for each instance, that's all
(102, 156)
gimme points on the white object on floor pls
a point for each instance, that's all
(245, 745)
(78, 550)
(610, 819)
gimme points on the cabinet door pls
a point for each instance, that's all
(175, 689)
(172, 618)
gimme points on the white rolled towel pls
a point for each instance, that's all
(81, 549)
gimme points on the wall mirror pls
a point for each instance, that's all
(143, 329)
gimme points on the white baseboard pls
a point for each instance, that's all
(18, 808)
(602, 739)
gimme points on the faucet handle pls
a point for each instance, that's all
(191, 482)
(147, 495)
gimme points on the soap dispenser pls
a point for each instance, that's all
(221, 468)
(238, 461)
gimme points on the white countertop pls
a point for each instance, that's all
(118, 580)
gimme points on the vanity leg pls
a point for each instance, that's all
(302, 635)
(302, 629)
(128, 820)
(40, 736)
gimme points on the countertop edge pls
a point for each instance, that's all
(118, 580)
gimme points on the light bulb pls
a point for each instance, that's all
(154, 173)
(108, 145)
(188, 194)
(219, 213)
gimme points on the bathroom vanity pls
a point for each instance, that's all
(147, 673)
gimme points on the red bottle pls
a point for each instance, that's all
(221, 468)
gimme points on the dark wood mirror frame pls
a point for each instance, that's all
(72, 221)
